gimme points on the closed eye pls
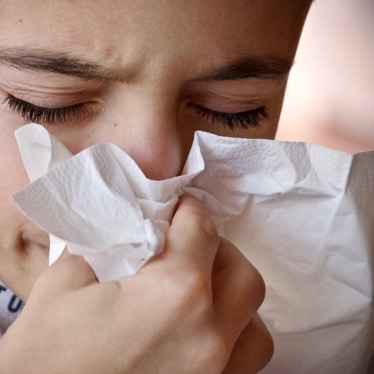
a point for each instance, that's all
(49, 116)
(234, 121)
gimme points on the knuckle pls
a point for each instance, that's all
(203, 226)
(221, 349)
(191, 290)
(259, 287)
(252, 350)
(265, 345)
(209, 230)
(256, 288)
(268, 349)
(217, 348)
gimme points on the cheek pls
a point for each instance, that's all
(13, 175)
(13, 178)
(23, 247)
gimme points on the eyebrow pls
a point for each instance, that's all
(261, 67)
(56, 62)
(253, 66)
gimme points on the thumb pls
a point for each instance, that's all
(68, 272)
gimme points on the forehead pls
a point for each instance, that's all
(128, 32)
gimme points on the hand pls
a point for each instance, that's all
(192, 309)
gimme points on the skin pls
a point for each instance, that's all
(159, 63)
(187, 324)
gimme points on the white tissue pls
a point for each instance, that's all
(100, 205)
(88, 203)
(302, 214)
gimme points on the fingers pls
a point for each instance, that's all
(69, 272)
(192, 240)
(193, 247)
(238, 288)
(253, 349)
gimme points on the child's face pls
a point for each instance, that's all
(142, 74)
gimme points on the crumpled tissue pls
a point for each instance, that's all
(101, 206)
(302, 214)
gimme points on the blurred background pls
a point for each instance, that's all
(330, 96)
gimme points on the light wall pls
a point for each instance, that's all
(330, 97)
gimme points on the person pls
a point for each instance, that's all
(145, 76)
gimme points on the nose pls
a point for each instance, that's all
(155, 142)
(149, 130)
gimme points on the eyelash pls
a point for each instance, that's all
(49, 116)
(234, 121)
